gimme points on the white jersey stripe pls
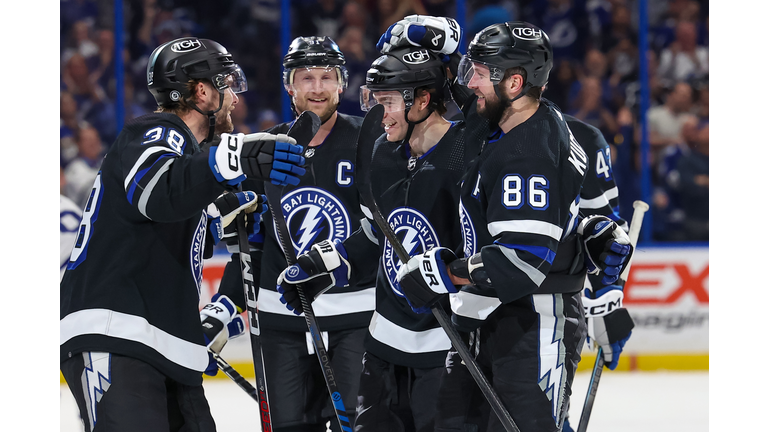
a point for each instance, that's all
(532, 272)
(144, 156)
(135, 328)
(399, 338)
(328, 304)
(147, 192)
(601, 201)
(526, 226)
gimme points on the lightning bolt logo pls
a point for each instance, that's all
(419, 235)
(410, 241)
(96, 380)
(308, 229)
(552, 374)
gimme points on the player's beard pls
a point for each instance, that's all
(493, 110)
(323, 113)
(223, 122)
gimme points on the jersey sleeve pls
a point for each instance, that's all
(162, 178)
(599, 195)
(362, 248)
(526, 221)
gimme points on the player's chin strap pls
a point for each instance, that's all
(508, 101)
(412, 124)
(211, 118)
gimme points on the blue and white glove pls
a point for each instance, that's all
(608, 322)
(607, 247)
(325, 266)
(220, 322)
(424, 278)
(442, 35)
(260, 156)
(227, 206)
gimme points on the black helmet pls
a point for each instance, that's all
(314, 51)
(507, 45)
(173, 64)
(405, 70)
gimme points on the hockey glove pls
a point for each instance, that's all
(322, 268)
(424, 278)
(442, 35)
(261, 156)
(607, 247)
(227, 206)
(220, 322)
(608, 323)
(474, 303)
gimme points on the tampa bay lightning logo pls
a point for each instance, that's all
(416, 235)
(467, 231)
(196, 252)
(313, 215)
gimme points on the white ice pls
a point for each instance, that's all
(625, 402)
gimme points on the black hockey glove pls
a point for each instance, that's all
(322, 268)
(608, 323)
(220, 322)
(424, 278)
(227, 206)
(261, 156)
(474, 303)
(607, 247)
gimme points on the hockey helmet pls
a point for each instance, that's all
(314, 52)
(506, 45)
(173, 64)
(404, 70)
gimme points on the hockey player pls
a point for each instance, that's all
(416, 167)
(324, 206)
(132, 349)
(522, 275)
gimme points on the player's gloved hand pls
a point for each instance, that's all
(608, 323)
(220, 322)
(227, 206)
(607, 247)
(424, 278)
(442, 35)
(262, 156)
(325, 266)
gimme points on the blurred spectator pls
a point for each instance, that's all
(684, 60)
(354, 15)
(105, 68)
(694, 187)
(566, 22)
(588, 107)
(392, 11)
(702, 104)
(267, 119)
(485, 16)
(81, 172)
(320, 18)
(240, 118)
(561, 79)
(72, 11)
(596, 66)
(666, 121)
(77, 81)
(80, 42)
(625, 162)
(352, 44)
(69, 124)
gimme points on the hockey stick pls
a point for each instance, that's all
(369, 132)
(597, 371)
(303, 129)
(253, 324)
(236, 377)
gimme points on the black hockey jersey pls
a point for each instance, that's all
(132, 284)
(421, 206)
(325, 205)
(519, 210)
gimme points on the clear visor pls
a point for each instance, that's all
(478, 74)
(391, 99)
(235, 80)
(321, 79)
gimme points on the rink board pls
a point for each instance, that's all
(667, 295)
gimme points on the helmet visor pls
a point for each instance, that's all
(235, 80)
(321, 79)
(478, 74)
(392, 100)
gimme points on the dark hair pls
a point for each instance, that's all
(534, 92)
(436, 99)
(182, 106)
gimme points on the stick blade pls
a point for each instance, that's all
(370, 131)
(304, 128)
